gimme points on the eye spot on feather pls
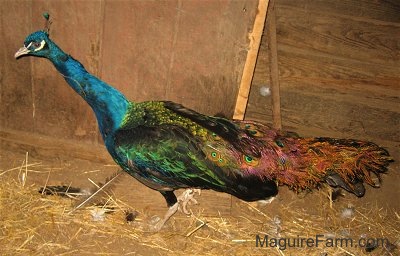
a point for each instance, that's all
(256, 133)
(279, 143)
(251, 161)
(217, 158)
(252, 130)
(214, 136)
(221, 162)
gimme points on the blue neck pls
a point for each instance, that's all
(108, 104)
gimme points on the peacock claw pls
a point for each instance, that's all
(187, 197)
(182, 201)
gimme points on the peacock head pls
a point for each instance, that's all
(36, 44)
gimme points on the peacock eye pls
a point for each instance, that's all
(251, 161)
(248, 159)
(36, 44)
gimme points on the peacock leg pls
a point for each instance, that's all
(171, 211)
(172, 203)
(176, 203)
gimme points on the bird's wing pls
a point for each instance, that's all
(239, 134)
(167, 156)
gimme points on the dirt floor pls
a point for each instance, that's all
(36, 224)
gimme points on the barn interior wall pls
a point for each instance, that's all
(191, 52)
(339, 70)
(339, 63)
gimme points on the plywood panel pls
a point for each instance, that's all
(187, 51)
(59, 111)
(137, 45)
(15, 76)
(337, 38)
(210, 53)
(339, 74)
(366, 116)
(374, 11)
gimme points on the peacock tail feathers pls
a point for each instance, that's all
(248, 148)
(352, 160)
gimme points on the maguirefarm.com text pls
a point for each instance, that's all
(317, 241)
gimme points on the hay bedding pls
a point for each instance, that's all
(36, 224)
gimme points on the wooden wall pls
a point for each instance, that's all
(191, 52)
(338, 62)
(339, 65)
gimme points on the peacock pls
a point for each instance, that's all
(167, 146)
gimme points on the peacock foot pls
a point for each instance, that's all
(183, 200)
(187, 197)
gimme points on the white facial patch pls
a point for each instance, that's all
(40, 47)
(29, 45)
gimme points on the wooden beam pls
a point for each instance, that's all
(273, 66)
(248, 71)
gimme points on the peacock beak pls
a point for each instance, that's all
(22, 51)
